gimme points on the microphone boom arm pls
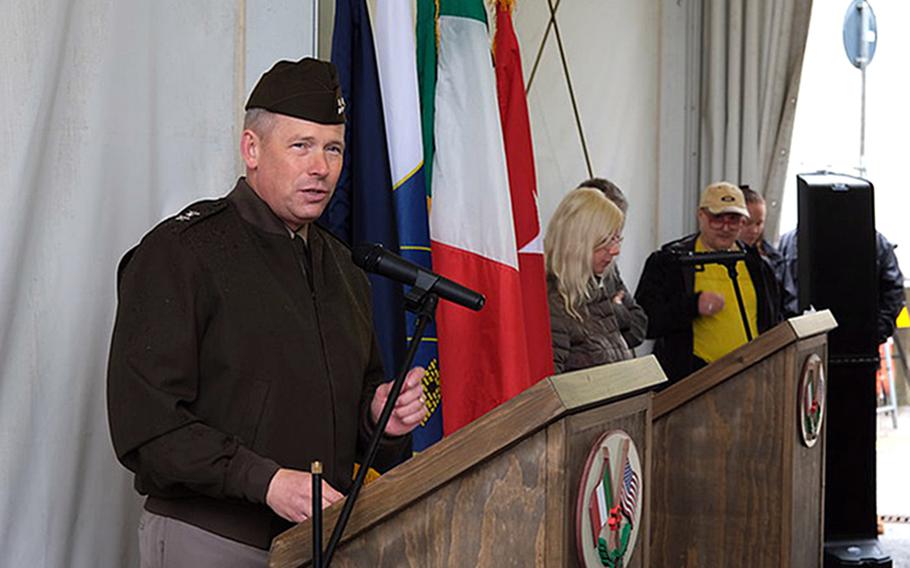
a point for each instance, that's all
(729, 260)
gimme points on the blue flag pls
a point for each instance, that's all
(396, 55)
(363, 209)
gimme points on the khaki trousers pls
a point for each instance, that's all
(169, 543)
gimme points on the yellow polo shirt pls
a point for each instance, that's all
(715, 336)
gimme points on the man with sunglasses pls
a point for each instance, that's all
(693, 314)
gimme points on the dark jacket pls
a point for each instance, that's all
(773, 257)
(596, 340)
(666, 291)
(229, 361)
(890, 282)
(632, 319)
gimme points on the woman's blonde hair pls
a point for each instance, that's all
(584, 220)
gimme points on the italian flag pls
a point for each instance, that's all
(483, 355)
(601, 499)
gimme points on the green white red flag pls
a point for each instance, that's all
(483, 355)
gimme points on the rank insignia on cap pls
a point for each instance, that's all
(308, 89)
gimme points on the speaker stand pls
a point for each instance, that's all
(855, 553)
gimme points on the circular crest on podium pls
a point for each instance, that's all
(608, 511)
(812, 387)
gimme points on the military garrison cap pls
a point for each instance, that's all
(307, 89)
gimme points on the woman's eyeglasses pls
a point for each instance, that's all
(613, 241)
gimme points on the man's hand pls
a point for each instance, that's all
(410, 408)
(290, 495)
(709, 303)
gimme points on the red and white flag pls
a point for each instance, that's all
(516, 129)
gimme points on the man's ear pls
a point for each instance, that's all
(250, 147)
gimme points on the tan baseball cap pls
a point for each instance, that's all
(724, 197)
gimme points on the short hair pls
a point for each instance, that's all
(751, 195)
(259, 120)
(584, 220)
(610, 190)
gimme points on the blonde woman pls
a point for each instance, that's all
(582, 240)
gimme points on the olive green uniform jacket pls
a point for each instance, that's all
(235, 352)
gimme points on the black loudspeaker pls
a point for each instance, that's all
(837, 271)
(836, 262)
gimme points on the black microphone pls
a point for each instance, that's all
(376, 259)
(713, 257)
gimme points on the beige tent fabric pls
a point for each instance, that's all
(752, 60)
(116, 114)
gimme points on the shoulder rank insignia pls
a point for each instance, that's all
(187, 215)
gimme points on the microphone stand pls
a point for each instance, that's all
(422, 302)
(731, 271)
(729, 261)
(316, 471)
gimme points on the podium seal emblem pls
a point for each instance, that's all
(812, 387)
(608, 512)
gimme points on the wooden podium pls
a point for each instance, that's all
(502, 491)
(733, 483)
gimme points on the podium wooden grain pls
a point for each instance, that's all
(501, 491)
(731, 482)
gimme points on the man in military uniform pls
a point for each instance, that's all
(243, 348)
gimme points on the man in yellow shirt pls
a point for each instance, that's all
(693, 315)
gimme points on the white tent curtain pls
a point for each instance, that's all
(752, 59)
(116, 114)
(611, 56)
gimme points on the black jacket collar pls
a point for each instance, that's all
(254, 210)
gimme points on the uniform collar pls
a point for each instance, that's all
(254, 210)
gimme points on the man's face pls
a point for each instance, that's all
(719, 232)
(755, 224)
(294, 166)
